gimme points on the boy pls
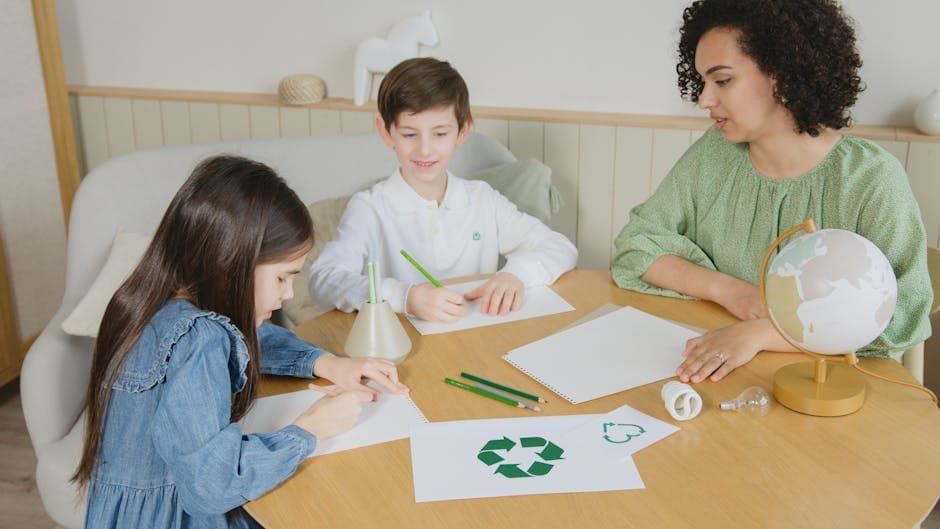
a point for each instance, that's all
(453, 227)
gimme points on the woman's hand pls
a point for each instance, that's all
(333, 414)
(500, 295)
(715, 354)
(431, 303)
(347, 373)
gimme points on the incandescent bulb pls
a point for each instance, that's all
(753, 401)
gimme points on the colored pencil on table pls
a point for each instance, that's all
(508, 389)
(421, 269)
(488, 394)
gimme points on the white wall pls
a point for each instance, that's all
(30, 207)
(591, 55)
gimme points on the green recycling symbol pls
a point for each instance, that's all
(621, 433)
(551, 452)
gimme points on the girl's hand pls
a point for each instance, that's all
(347, 373)
(431, 303)
(333, 415)
(717, 353)
(500, 295)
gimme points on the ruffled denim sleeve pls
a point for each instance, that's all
(215, 467)
(284, 353)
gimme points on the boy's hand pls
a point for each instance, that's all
(431, 303)
(500, 295)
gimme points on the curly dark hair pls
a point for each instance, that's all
(807, 46)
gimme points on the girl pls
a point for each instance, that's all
(180, 350)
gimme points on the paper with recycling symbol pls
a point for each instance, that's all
(616, 435)
(510, 457)
(546, 451)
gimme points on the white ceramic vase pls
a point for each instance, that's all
(927, 115)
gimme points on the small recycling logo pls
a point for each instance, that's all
(476, 236)
(490, 455)
(621, 433)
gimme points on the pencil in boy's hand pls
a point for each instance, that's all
(508, 389)
(421, 269)
(489, 395)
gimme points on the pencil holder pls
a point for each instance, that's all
(378, 333)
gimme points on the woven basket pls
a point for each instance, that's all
(302, 89)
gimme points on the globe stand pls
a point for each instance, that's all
(814, 388)
(818, 388)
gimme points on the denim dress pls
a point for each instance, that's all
(169, 456)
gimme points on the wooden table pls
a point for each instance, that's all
(877, 468)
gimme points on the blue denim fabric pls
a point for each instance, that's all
(169, 455)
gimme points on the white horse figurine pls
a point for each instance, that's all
(378, 55)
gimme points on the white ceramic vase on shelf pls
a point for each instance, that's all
(927, 115)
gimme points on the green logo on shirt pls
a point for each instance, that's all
(476, 236)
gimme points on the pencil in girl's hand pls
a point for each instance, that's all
(421, 269)
(325, 391)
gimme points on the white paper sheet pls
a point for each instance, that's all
(617, 435)
(538, 301)
(474, 459)
(388, 419)
(612, 353)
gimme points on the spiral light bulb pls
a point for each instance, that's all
(753, 401)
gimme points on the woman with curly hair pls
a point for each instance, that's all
(778, 78)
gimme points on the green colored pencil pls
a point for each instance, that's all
(514, 391)
(487, 394)
(372, 298)
(506, 394)
(421, 269)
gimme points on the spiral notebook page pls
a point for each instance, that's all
(612, 353)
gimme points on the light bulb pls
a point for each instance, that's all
(753, 401)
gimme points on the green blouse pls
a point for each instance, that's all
(715, 210)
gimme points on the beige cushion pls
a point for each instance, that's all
(126, 250)
(527, 184)
(325, 214)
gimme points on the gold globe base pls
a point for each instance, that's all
(841, 392)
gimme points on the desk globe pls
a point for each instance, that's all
(828, 293)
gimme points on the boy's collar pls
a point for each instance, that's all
(404, 199)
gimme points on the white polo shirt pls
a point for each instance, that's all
(464, 235)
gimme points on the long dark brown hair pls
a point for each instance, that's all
(231, 215)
